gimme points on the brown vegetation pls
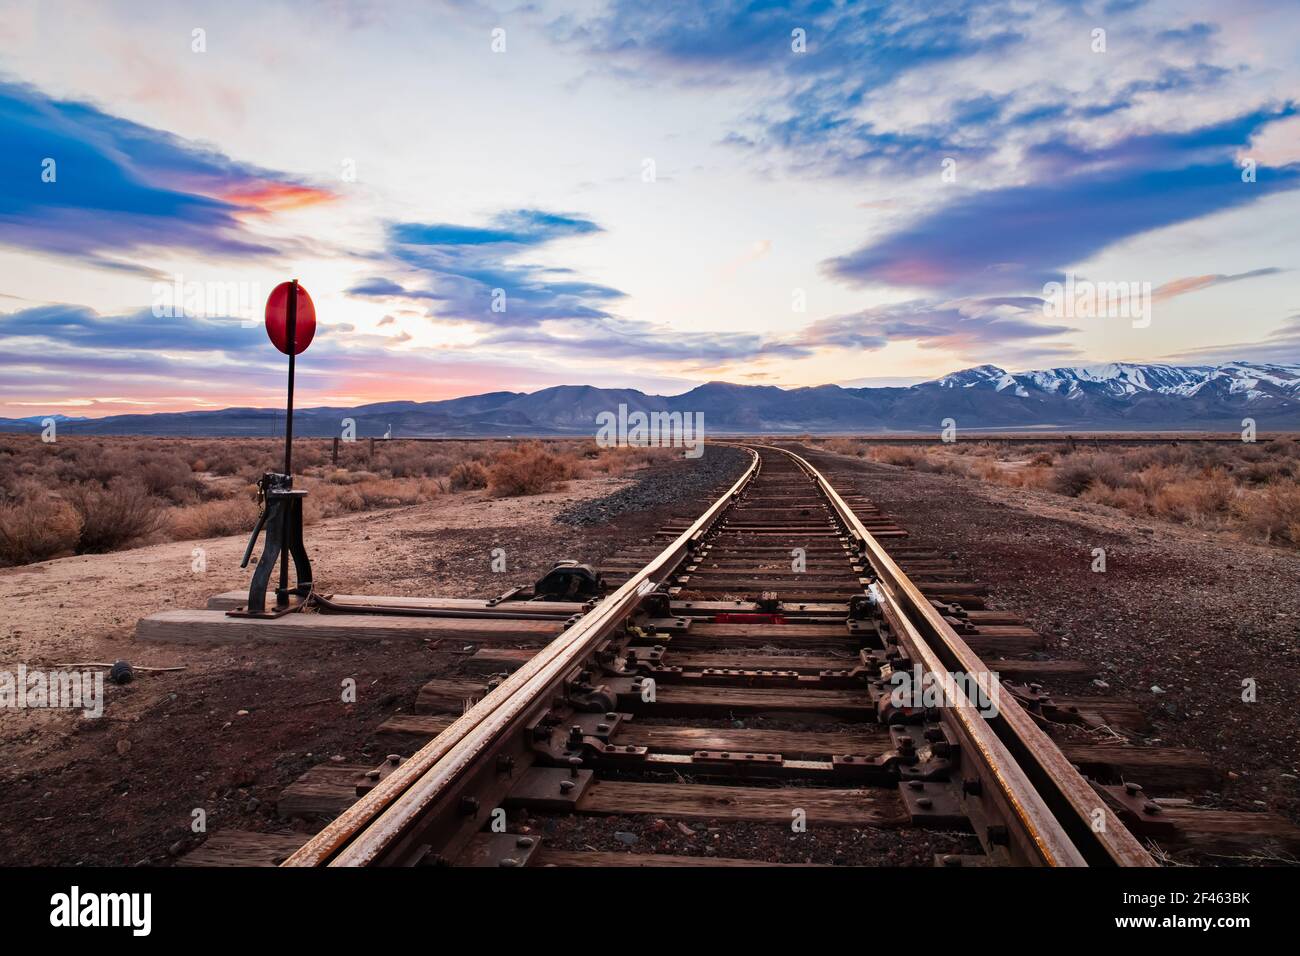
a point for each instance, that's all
(35, 525)
(113, 515)
(1250, 488)
(528, 469)
(83, 495)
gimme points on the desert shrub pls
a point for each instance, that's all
(36, 525)
(214, 519)
(404, 461)
(334, 499)
(1152, 478)
(1262, 471)
(1283, 448)
(527, 469)
(468, 474)
(390, 492)
(896, 455)
(342, 476)
(1131, 500)
(1076, 473)
(1272, 512)
(844, 446)
(1195, 499)
(115, 515)
(166, 475)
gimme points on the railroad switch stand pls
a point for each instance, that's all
(281, 515)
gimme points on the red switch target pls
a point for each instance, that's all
(277, 319)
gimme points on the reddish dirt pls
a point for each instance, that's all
(122, 789)
(1176, 622)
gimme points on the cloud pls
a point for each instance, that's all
(119, 186)
(811, 105)
(714, 43)
(971, 328)
(77, 327)
(621, 339)
(1282, 346)
(465, 265)
(65, 356)
(1176, 287)
(1021, 237)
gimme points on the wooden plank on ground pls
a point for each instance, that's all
(1155, 768)
(761, 632)
(793, 745)
(549, 857)
(322, 793)
(1233, 833)
(215, 626)
(1108, 711)
(1018, 670)
(229, 600)
(674, 700)
(805, 664)
(990, 644)
(406, 733)
(444, 696)
(241, 848)
(692, 801)
(492, 660)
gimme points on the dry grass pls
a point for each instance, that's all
(84, 494)
(528, 469)
(113, 515)
(214, 519)
(36, 525)
(468, 475)
(1251, 489)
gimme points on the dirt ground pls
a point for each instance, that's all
(242, 721)
(1178, 620)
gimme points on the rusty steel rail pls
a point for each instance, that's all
(374, 824)
(1061, 819)
(1019, 790)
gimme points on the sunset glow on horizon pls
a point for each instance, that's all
(629, 196)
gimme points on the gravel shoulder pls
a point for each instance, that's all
(226, 734)
(1181, 621)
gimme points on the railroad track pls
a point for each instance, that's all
(743, 687)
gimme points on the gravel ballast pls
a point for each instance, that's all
(1182, 621)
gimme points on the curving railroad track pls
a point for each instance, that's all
(784, 677)
(786, 710)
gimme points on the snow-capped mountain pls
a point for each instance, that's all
(1115, 397)
(1254, 381)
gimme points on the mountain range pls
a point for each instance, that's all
(1114, 397)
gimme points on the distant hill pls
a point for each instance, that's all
(1118, 397)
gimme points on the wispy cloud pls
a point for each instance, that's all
(1282, 345)
(1176, 287)
(66, 356)
(77, 181)
(971, 328)
(473, 272)
(1020, 237)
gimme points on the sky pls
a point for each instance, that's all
(484, 197)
